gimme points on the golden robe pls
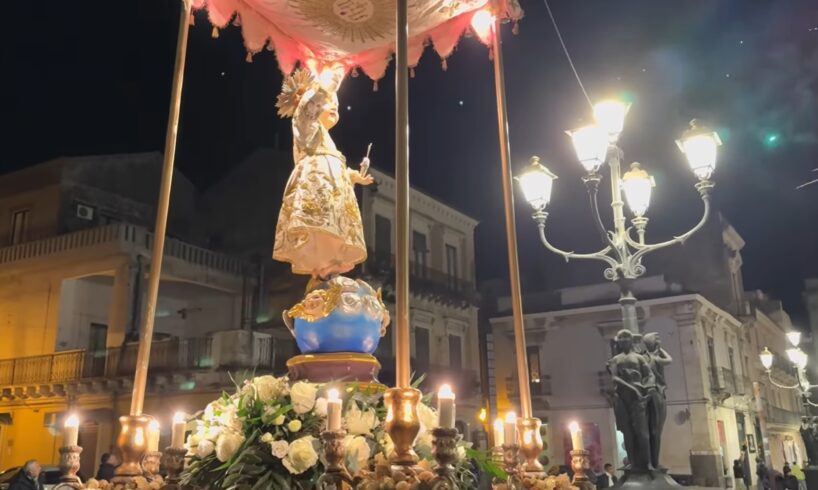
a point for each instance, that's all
(319, 230)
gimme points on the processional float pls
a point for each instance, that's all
(340, 320)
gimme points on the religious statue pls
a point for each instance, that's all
(340, 321)
(810, 438)
(319, 230)
(657, 359)
(633, 381)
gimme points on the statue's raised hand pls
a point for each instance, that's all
(358, 178)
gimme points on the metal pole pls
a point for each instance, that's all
(511, 227)
(615, 162)
(146, 333)
(627, 301)
(402, 341)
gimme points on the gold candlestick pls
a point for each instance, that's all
(70, 465)
(581, 464)
(336, 476)
(444, 449)
(150, 466)
(531, 447)
(402, 424)
(132, 442)
(173, 459)
(511, 466)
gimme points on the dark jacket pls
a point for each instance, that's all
(23, 482)
(602, 480)
(738, 472)
(790, 482)
(106, 472)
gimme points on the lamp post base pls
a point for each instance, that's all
(647, 480)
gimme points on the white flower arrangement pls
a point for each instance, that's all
(267, 435)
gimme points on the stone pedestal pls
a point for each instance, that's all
(647, 480)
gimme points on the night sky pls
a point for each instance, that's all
(93, 77)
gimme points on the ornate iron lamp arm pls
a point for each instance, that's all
(779, 385)
(630, 241)
(592, 183)
(540, 217)
(810, 402)
(704, 188)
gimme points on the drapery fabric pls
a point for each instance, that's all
(356, 33)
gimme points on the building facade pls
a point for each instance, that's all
(75, 245)
(719, 397)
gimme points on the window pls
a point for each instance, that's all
(455, 352)
(451, 266)
(711, 355)
(383, 239)
(419, 250)
(19, 226)
(421, 349)
(534, 371)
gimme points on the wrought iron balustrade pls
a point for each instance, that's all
(426, 280)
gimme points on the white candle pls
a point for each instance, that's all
(71, 430)
(153, 436)
(510, 432)
(499, 438)
(576, 436)
(177, 438)
(445, 407)
(333, 410)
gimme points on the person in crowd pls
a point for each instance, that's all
(608, 478)
(799, 475)
(763, 475)
(745, 466)
(107, 466)
(29, 477)
(790, 482)
(738, 475)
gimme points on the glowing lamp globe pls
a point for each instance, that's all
(610, 116)
(700, 145)
(794, 337)
(637, 185)
(802, 359)
(792, 354)
(591, 145)
(766, 358)
(537, 181)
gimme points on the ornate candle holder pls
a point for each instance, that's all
(532, 445)
(444, 449)
(581, 464)
(402, 424)
(132, 444)
(70, 465)
(511, 466)
(150, 465)
(173, 459)
(336, 476)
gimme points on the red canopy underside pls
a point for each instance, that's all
(357, 33)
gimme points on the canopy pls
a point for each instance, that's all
(356, 33)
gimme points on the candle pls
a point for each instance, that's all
(71, 430)
(153, 436)
(445, 407)
(510, 429)
(177, 439)
(333, 410)
(576, 436)
(498, 432)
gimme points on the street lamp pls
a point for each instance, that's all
(799, 360)
(595, 146)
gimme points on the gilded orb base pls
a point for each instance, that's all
(332, 366)
(132, 445)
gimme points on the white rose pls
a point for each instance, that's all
(302, 395)
(204, 448)
(210, 410)
(213, 432)
(280, 449)
(320, 407)
(301, 456)
(294, 425)
(266, 438)
(267, 387)
(428, 417)
(358, 453)
(227, 444)
(228, 417)
(360, 422)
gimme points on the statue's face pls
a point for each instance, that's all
(329, 116)
(625, 344)
(651, 342)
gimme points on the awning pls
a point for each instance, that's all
(356, 33)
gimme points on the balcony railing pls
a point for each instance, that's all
(121, 236)
(63, 367)
(424, 280)
(777, 415)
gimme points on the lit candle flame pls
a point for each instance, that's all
(573, 426)
(498, 424)
(332, 394)
(511, 417)
(72, 421)
(153, 426)
(445, 391)
(179, 417)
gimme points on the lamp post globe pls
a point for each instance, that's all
(591, 145)
(637, 184)
(537, 181)
(700, 146)
(766, 358)
(610, 116)
(794, 337)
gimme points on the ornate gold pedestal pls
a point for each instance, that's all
(333, 366)
(132, 442)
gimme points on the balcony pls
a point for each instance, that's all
(62, 372)
(725, 382)
(117, 238)
(777, 415)
(539, 391)
(425, 281)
